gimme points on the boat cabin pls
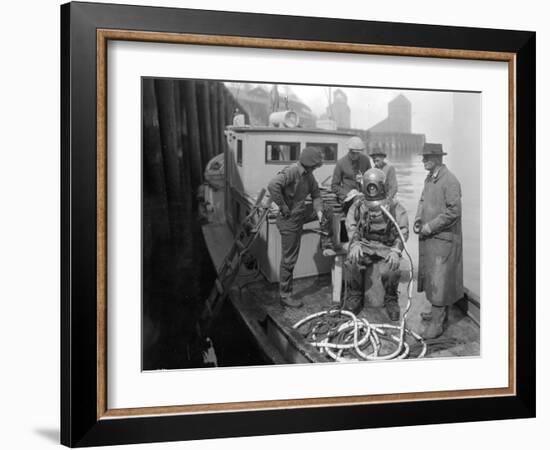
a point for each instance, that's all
(253, 157)
(257, 153)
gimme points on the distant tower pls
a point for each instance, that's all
(399, 114)
(339, 110)
(393, 134)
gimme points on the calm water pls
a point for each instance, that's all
(411, 176)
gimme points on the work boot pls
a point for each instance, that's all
(433, 323)
(392, 308)
(354, 303)
(290, 302)
(326, 243)
(426, 316)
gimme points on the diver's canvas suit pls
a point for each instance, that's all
(370, 228)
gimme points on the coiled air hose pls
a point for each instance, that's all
(342, 336)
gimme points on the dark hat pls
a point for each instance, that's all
(311, 156)
(433, 150)
(377, 151)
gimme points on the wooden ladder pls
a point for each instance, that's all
(229, 269)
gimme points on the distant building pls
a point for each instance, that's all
(399, 118)
(338, 110)
(258, 102)
(393, 134)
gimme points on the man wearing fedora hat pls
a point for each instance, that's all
(439, 228)
(379, 159)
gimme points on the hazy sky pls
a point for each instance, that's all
(432, 112)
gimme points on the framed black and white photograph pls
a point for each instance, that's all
(277, 224)
(218, 159)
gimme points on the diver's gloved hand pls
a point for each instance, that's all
(320, 216)
(393, 260)
(285, 212)
(355, 253)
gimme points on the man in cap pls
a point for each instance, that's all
(350, 169)
(288, 190)
(375, 246)
(439, 228)
(379, 159)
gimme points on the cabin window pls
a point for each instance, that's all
(330, 150)
(281, 152)
(239, 152)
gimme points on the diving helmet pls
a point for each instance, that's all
(374, 185)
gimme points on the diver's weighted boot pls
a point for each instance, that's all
(354, 303)
(393, 310)
(433, 323)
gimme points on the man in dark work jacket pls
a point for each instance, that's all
(349, 170)
(288, 190)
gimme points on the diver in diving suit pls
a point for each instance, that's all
(374, 244)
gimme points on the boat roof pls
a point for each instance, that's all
(264, 129)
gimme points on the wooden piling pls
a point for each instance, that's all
(156, 222)
(183, 128)
(189, 98)
(183, 154)
(153, 171)
(224, 119)
(203, 102)
(215, 115)
(164, 90)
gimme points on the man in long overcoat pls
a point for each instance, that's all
(439, 226)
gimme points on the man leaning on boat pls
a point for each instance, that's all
(349, 171)
(288, 190)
